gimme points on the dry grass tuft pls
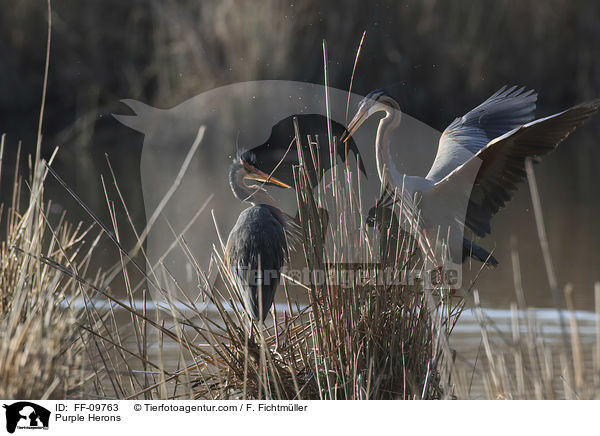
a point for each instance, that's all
(40, 346)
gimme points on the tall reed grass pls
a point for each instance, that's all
(41, 351)
(66, 335)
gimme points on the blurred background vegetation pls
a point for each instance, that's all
(437, 58)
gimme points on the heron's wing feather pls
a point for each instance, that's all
(255, 252)
(293, 233)
(258, 237)
(504, 111)
(500, 165)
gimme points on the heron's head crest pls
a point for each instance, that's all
(246, 156)
(374, 96)
(378, 96)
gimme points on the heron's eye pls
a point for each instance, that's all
(249, 158)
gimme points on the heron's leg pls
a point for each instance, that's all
(251, 328)
(274, 312)
(276, 350)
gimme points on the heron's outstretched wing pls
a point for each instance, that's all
(504, 111)
(500, 165)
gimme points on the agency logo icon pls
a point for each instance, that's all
(26, 415)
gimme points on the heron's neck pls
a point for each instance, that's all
(251, 194)
(385, 163)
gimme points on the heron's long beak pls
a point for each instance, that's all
(356, 122)
(256, 174)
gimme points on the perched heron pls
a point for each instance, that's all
(257, 246)
(480, 159)
(392, 237)
(278, 154)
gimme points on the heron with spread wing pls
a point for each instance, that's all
(480, 160)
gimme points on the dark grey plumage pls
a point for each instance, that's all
(501, 163)
(257, 249)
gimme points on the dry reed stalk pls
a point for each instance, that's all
(41, 352)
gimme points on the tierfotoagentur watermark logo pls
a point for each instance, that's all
(24, 415)
(348, 276)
